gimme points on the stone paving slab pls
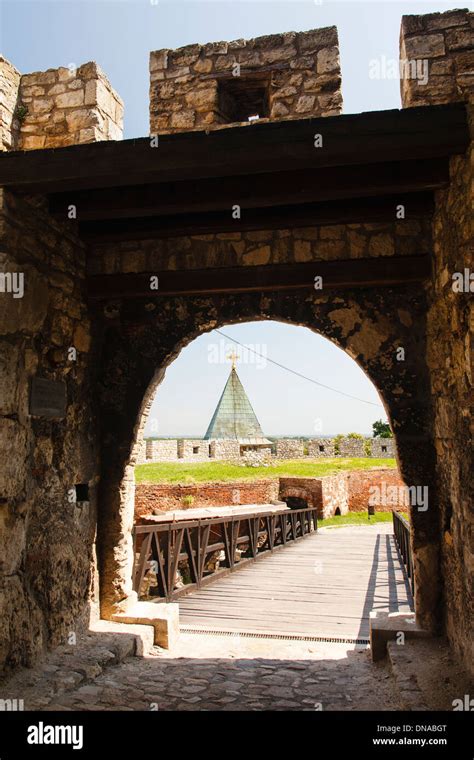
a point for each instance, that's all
(73, 666)
(239, 673)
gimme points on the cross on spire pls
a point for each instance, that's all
(233, 357)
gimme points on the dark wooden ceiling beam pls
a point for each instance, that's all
(379, 136)
(351, 273)
(357, 210)
(258, 191)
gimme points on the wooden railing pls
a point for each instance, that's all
(160, 547)
(401, 529)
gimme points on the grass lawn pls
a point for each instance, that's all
(356, 518)
(200, 472)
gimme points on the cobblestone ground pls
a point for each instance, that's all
(238, 673)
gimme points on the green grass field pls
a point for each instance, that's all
(356, 518)
(201, 472)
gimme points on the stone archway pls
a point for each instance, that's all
(143, 338)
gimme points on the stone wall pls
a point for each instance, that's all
(284, 448)
(451, 325)
(9, 83)
(382, 448)
(448, 41)
(162, 450)
(151, 497)
(69, 106)
(195, 449)
(57, 107)
(321, 447)
(47, 552)
(287, 448)
(224, 449)
(352, 447)
(444, 44)
(294, 74)
(50, 473)
(229, 249)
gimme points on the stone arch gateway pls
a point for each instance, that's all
(377, 206)
(363, 324)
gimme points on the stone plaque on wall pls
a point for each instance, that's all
(47, 398)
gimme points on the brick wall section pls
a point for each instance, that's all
(68, 107)
(169, 496)
(360, 483)
(446, 42)
(295, 74)
(9, 83)
(344, 491)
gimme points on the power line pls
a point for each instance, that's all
(298, 374)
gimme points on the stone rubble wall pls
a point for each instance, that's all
(224, 449)
(191, 87)
(57, 107)
(446, 42)
(48, 576)
(161, 450)
(352, 447)
(68, 107)
(321, 447)
(174, 450)
(382, 448)
(9, 84)
(255, 248)
(186, 448)
(48, 567)
(450, 324)
(289, 448)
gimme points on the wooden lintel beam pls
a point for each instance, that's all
(350, 273)
(346, 211)
(261, 190)
(411, 133)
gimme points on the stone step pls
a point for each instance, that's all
(75, 665)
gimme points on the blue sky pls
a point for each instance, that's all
(119, 35)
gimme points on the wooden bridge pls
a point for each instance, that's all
(323, 585)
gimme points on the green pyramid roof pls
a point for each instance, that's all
(234, 416)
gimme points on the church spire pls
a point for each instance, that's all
(234, 416)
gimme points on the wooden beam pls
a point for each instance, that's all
(378, 136)
(356, 210)
(351, 273)
(259, 191)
